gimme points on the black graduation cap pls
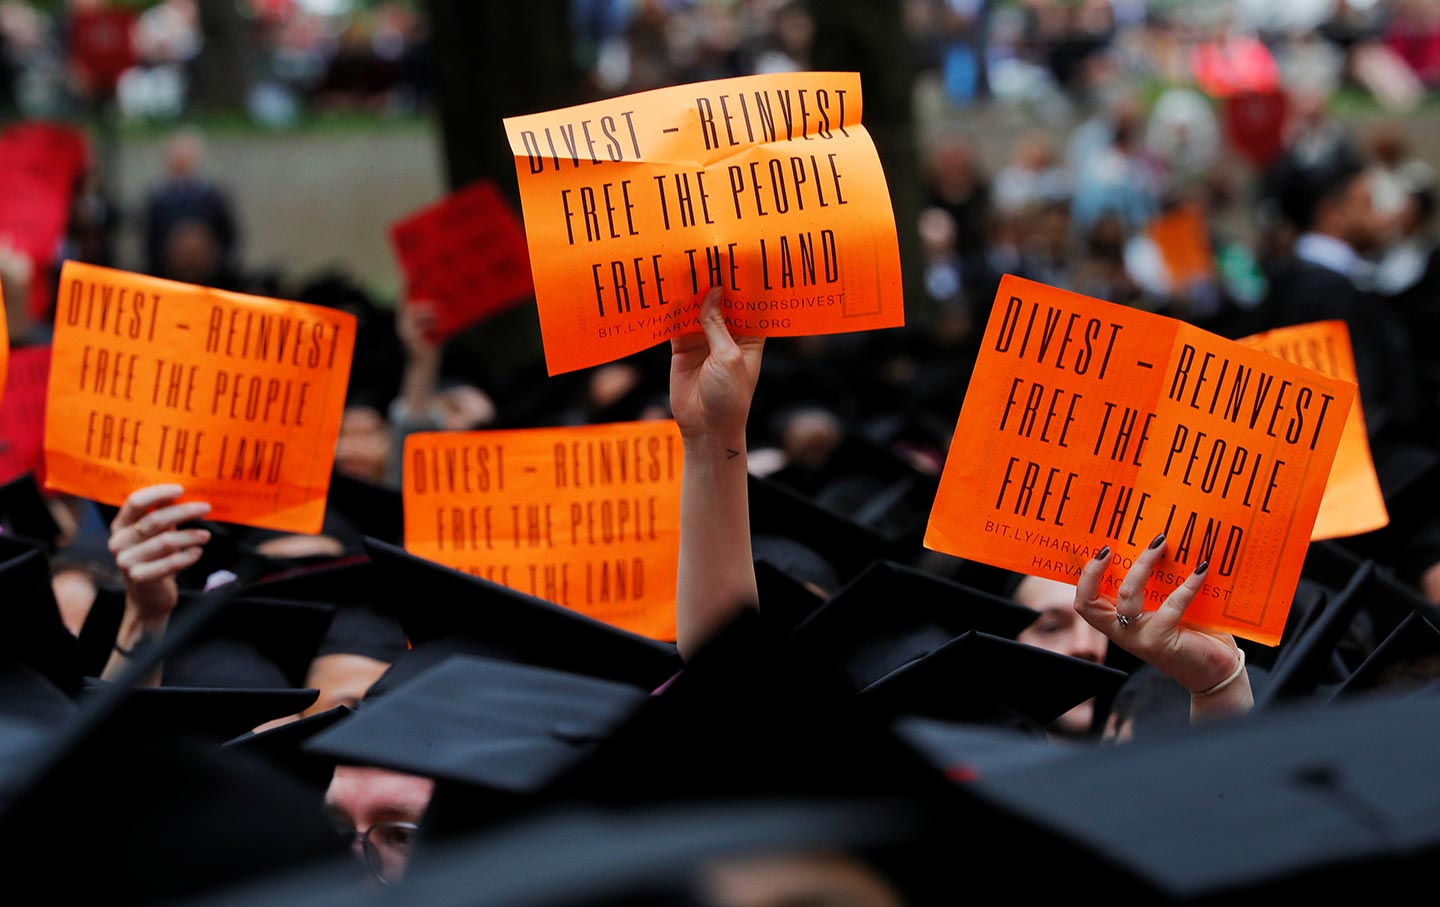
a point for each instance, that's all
(482, 722)
(281, 747)
(784, 601)
(146, 820)
(777, 512)
(1304, 803)
(360, 626)
(891, 615)
(1409, 476)
(965, 752)
(35, 634)
(254, 643)
(13, 546)
(1305, 664)
(750, 716)
(979, 677)
(432, 601)
(222, 552)
(1152, 702)
(23, 511)
(210, 713)
(869, 485)
(660, 856)
(1408, 657)
(28, 697)
(1330, 564)
(177, 819)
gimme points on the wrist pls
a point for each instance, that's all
(138, 623)
(718, 452)
(1230, 696)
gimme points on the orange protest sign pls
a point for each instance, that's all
(766, 186)
(237, 398)
(1353, 501)
(1088, 424)
(1184, 243)
(587, 517)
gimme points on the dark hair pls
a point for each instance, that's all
(1304, 191)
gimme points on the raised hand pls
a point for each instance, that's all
(1209, 665)
(712, 377)
(150, 550)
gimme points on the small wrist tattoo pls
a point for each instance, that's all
(731, 454)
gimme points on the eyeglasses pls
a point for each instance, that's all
(386, 846)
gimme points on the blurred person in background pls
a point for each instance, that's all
(185, 196)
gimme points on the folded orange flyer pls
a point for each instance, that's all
(1088, 424)
(765, 186)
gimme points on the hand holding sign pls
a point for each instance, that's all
(150, 550)
(1202, 662)
(1088, 424)
(712, 381)
(712, 377)
(767, 187)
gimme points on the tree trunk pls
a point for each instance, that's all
(869, 37)
(491, 61)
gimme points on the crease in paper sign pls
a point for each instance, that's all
(1223, 448)
(796, 229)
(689, 118)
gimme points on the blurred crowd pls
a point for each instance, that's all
(301, 56)
(1026, 51)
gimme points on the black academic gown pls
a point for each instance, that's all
(1302, 291)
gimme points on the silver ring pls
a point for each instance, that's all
(1125, 621)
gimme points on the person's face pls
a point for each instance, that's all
(1364, 227)
(1060, 629)
(191, 253)
(363, 449)
(359, 798)
(342, 679)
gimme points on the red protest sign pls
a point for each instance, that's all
(39, 165)
(101, 47)
(467, 255)
(22, 413)
(1255, 122)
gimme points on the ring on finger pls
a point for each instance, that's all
(1124, 621)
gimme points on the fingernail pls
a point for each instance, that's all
(1102, 553)
(1159, 540)
(1204, 565)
